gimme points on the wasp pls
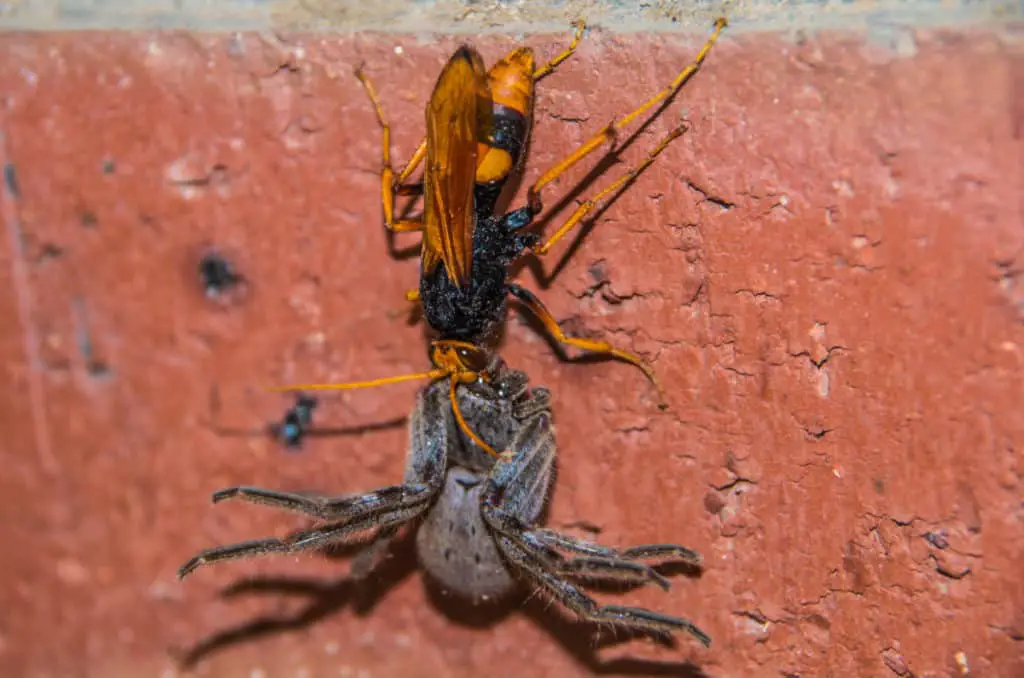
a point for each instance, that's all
(477, 123)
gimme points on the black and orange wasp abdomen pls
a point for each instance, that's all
(508, 134)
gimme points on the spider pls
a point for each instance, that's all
(478, 535)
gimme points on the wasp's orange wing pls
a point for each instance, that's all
(457, 109)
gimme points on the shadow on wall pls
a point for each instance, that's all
(328, 597)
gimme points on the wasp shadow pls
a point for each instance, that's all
(272, 431)
(611, 158)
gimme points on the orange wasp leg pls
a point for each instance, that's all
(590, 204)
(388, 186)
(410, 167)
(565, 54)
(462, 422)
(607, 135)
(594, 345)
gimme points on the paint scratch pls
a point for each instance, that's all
(30, 337)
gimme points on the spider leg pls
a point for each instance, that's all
(598, 562)
(367, 559)
(303, 540)
(539, 570)
(539, 401)
(569, 543)
(330, 508)
(674, 551)
(510, 503)
(612, 568)
(383, 510)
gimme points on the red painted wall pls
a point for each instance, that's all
(824, 272)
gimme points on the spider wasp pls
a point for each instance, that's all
(477, 124)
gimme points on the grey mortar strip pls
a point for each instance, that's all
(504, 16)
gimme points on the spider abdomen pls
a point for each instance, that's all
(455, 547)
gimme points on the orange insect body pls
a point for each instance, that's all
(458, 107)
(511, 84)
(477, 123)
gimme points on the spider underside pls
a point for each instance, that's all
(478, 535)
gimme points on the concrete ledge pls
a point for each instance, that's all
(505, 16)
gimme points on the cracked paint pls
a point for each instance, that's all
(823, 271)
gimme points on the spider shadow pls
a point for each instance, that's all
(578, 638)
(326, 597)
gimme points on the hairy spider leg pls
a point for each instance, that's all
(533, 551)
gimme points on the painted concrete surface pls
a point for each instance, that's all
(502, 16)
(825, 272)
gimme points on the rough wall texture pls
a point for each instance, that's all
(825, 272)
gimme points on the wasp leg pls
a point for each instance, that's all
(389, 186)
(409, 189)
(596, 346)
(564, 54)
(461, 421)
(609, 132)
(590, 204)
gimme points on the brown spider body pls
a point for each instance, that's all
(478, 536)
